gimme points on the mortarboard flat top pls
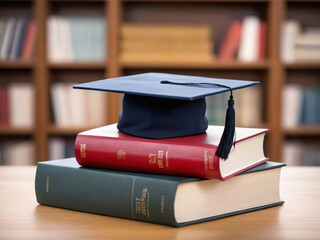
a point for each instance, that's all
(151, 84)
(160, 105)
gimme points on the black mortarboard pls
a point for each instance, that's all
(160, 105)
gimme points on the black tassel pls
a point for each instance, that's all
(228, 135)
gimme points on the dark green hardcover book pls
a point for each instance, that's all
(169, 200)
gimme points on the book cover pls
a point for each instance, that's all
(262, 40)
(4, 107)
(230, 43)
(106, 147)
(249, 41)
(28, 41)
(155, 198)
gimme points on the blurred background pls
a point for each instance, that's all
(46, 46)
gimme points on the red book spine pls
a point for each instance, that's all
(231, 42)
(4, 111)
(28, 42)
(147, 156)
(262, 40)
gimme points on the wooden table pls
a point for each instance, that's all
(22, 218)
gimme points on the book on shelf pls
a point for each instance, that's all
(248, 107)
(12, 112)
(72, 39)
(4, 107)
(230, 43)
(300, 105)
(161, 199)
(299, 44)
(17, 152)
(244, 40)
(106, 147)
(300, 153)
(60, 147)
(249, 40)
(262, 45)
(16, 39)
(163, 42)
(77, 108)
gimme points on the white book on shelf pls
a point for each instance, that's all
(249, 39)
(57, 146)
(53, 40)
(60, 106)
(307, 54)
(97, 108)
(292, 153)
(289, 31)
(291, 105)
(21, 104)
(77, 101)
(21, 153)
(250, 106)
(65, 39)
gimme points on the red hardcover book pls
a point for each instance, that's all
(262, 40)
(29, 41)
(194, 156)
(4, 108)
(230, 43)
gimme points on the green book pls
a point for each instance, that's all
(169, 200)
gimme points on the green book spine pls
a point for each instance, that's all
(112, 193)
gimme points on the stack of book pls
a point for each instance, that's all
(174, 181)
(299, 44)
(17, 39)
(245, 40)
(72, 39)
(166, 42)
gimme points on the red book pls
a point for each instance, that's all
(230, 43)
(4, 108)
(194, 156)
(29, 41)
(262, 41)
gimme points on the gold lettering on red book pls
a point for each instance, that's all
(152, 158)
(121, 154)
(208, 160)
(83, 153)
(205, 160)
(161, 159)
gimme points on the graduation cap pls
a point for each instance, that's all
(161, 105)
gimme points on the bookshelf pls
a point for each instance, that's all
(271, 71)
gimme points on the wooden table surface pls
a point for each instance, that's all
(22, 218)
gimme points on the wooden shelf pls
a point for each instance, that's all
(16, 64)
(78, 65)
(10, 131)
(302, 131)
(56, 130)
(263, 65)
(302, 65)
